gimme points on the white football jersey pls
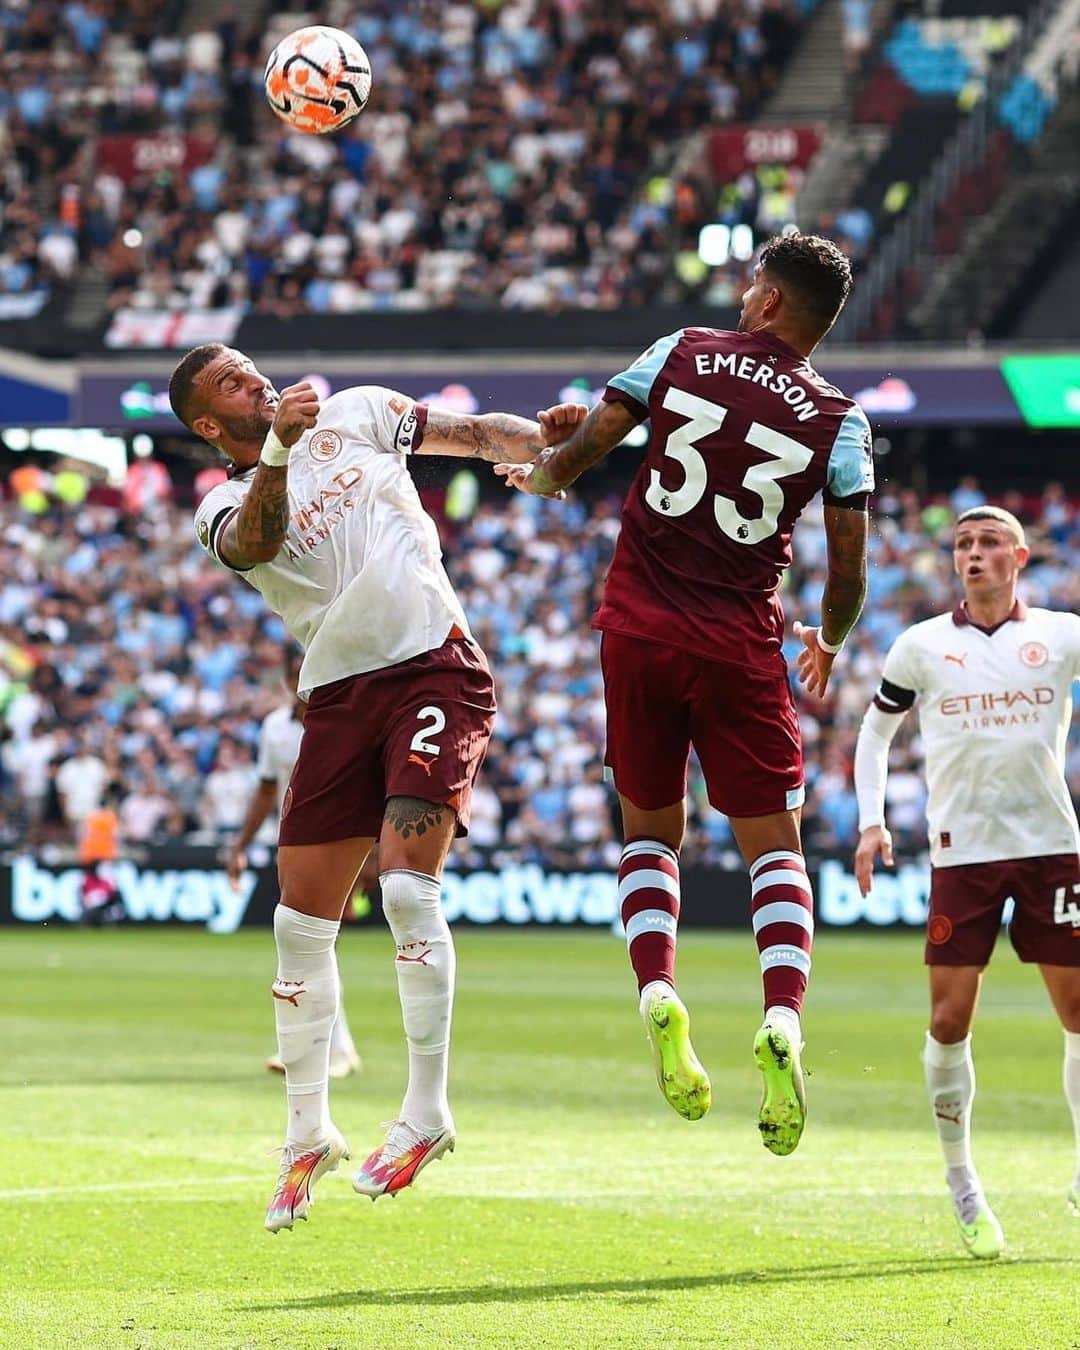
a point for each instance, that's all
(279, 746)
(359, 580)
(994, 711)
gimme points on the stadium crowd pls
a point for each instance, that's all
(134, 671)
(515, 154)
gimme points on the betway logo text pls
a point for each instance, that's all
(900, 897)
(531, 895)
(187, 895)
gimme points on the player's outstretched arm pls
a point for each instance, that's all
(263, 801)
(258, 529)
(560, 465)
(497, 437)
(871, 771)
(846, 530)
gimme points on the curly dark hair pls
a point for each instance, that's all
(813, 270)
(182, 380)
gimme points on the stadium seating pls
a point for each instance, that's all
(118, 635)
(503, 160)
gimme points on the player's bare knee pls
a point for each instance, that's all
(950, 1021)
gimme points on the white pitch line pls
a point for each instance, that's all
(113, 1187)
(209, 1188)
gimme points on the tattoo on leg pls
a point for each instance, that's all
(412, 815)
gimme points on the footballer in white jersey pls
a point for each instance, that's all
(992, 685)
(321, 516)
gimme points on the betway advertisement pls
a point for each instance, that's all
(190, 887)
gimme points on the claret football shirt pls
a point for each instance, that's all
(744, 432)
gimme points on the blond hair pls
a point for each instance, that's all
(997, 513)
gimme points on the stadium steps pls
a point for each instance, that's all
(1000, 249)
(90, 301)
(811, 88)
(846, 156)
(814, 86)
(249, 14)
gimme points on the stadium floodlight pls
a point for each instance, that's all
(714, 245)
(742, 243)
(84, 443)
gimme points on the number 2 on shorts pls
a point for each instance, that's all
(434, 721)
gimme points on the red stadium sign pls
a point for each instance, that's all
(129, 157)
(732, 150)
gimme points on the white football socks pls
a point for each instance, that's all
(341, 1041)
(787, 1019)
(425, 965)
(305, 1006)
(950, 1081)
(1072, 1091)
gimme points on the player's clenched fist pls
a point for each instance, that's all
(297, 412)
(558, 423)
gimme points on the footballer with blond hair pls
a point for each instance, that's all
(992, 684)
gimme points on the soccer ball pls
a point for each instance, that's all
(318, 79)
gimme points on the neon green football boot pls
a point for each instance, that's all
(782, 1116)
(983, 1238)
(682, 1080)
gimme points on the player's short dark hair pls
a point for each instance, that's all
(182, 380)
(815, 271)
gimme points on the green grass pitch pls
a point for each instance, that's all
(578, 1210)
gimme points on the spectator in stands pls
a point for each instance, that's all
(506, 157)
(120, 647)
(28, 761)
(81, 781)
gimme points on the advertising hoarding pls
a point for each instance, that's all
(191, 887)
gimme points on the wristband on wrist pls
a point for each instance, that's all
(829, 647)
(273, 453)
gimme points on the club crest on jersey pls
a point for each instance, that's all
(324, 446)
(1034, 654)
(204, 533)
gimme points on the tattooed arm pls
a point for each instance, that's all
(498, 437)
(846, 529)
(255, 532)
(490, 436)
(846, 532)
(560, 465)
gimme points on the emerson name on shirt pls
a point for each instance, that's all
(762, 373)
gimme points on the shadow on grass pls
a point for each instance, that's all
(540, 1293)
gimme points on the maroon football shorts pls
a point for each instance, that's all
(417, 729)
(966, 904)
(742, 723)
